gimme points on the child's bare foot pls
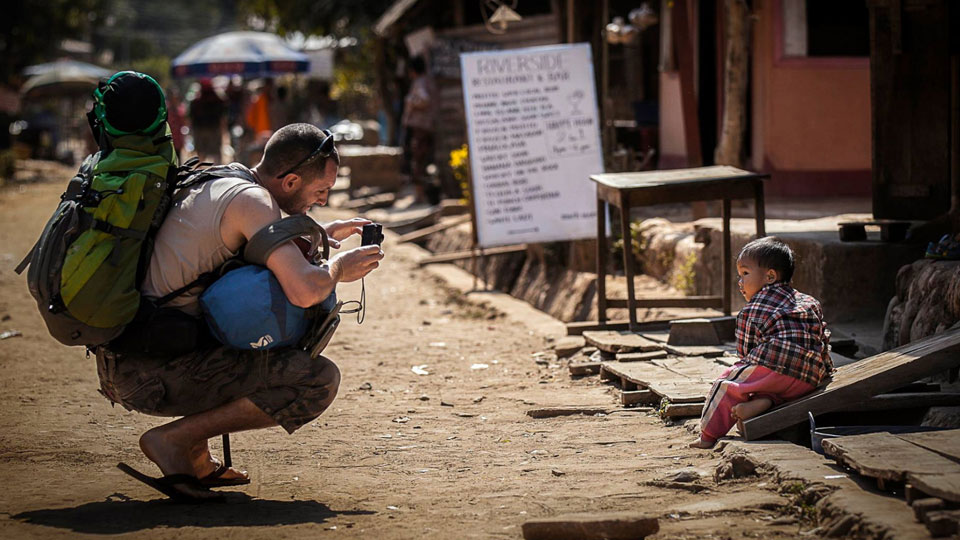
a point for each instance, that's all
(700, 443)
(749, 409)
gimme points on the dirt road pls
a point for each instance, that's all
(449, 454)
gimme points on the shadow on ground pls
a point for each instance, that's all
(119, 514)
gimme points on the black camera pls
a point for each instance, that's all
(372, 234)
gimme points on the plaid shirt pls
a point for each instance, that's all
(783, 330)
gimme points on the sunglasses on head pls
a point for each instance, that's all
(324, 149)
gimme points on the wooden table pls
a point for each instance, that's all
(627, 190)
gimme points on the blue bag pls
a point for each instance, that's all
(246, 308)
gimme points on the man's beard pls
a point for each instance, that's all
(293, 203)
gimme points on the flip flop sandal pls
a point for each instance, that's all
(179, 487)
(213, 479)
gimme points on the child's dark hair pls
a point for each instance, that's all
(770, 252)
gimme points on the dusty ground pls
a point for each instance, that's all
(450, 454)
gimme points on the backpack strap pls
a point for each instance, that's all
(27, 259)
(269, 238)
(205, 280)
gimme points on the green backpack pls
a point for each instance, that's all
(88, 264)
(86, 268)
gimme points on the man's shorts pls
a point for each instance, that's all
(284, 383)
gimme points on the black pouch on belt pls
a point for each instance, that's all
(162, 332)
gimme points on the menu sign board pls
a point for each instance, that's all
(534, 142)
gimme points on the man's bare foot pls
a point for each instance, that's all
(749, 409)
(205, 465)
(173, 456)
(700, 443)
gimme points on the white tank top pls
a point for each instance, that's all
(189, 241)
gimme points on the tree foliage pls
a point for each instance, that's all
(321, 17)
(32, 30)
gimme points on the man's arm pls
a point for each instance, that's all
(304, 284)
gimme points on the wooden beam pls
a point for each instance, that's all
(703, 302)
(634, 397)
(427, 231)
(682, 410)
(579, 327)
(553, 412)
(466, 254)
(864, 379)
(584, 368)
(688, 95)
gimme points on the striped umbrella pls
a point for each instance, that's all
(251, 54)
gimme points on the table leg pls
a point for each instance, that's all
(628, 258)
(601, 261)
(726, 266)
(758, 206)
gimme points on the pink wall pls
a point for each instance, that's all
(810, 117)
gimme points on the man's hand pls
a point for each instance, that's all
(356, 263)
(341, 230)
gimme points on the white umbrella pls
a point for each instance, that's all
(252, 54)
(66, 67)
(62, 77)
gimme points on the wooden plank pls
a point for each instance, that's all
(427, 231)
(677, 392)
(864, 379)
(641, 356)
(683, 410)
(699, 350)
(942, 522)
(659, 337)
(584, 368)
(887, 457)
(696, 368)
(946, 443)
(636, 397)
(922, 506)
(700, 302)
(579, 327)
(642, 373)
(943, 485)
(694, 175)
(702, 331)
(552, 412)
(693, 332)
(591, 527)
(680, 380)
(467, 254)
(614, 342)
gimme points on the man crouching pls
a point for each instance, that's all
(217, 389)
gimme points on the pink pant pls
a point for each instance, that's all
(743, 382)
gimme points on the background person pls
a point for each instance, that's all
(419, 114)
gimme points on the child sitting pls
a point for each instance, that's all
(781, 341)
